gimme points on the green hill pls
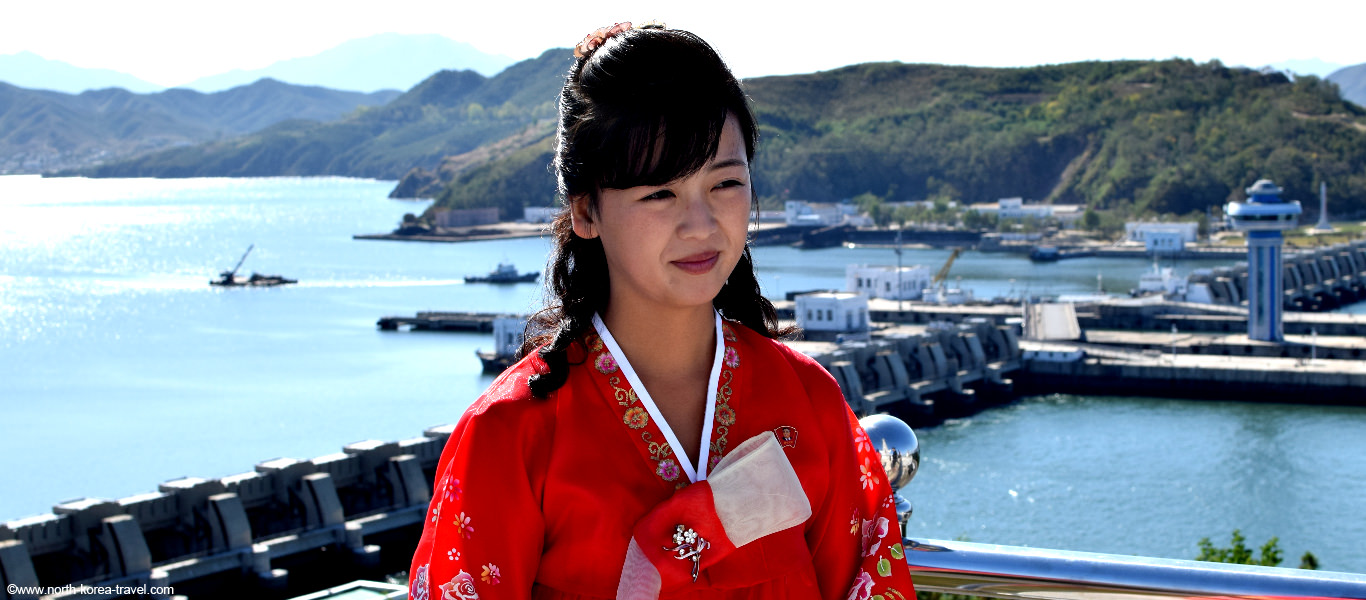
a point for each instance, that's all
(449, 113)
(1138, 136)
(45, 131)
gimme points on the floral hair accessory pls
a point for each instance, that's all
(602, 34)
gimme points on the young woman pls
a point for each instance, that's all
(656, 440)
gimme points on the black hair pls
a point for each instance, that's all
(646, 108)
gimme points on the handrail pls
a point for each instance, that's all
(1012, 572)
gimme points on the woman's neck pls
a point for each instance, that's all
(656, 342)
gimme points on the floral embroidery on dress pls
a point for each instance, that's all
(460, 587)
(853, 522)
(605, 363)
(862, 588)
(725, 415)
(869, 475)
(463, 524)
(625, 396)
(668, 469)
(873, 532)
(490, 574)
(452, 489)
(636, 417)
(861, 442)
(418, 589)
(452, 554)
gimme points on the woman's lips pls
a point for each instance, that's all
(697, 264)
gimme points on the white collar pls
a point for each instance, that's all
(694, 473)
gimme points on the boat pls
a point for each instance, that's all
(231, 279)
(1161, 281)
(1055, 253)
(507, 337)
(493, 362)
(505, 273)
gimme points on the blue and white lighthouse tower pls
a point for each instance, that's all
(1264, 216)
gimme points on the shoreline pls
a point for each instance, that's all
(496, 231)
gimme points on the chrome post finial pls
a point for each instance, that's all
(896, 443)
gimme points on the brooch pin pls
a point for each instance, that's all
(688, 546)
(787, 436)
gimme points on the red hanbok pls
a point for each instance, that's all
(538, 498)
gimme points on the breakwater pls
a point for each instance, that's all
(1314, 280)
(286, 528)
(925, 374)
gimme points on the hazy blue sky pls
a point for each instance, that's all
(172, 42)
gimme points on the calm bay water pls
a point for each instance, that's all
(120, 367)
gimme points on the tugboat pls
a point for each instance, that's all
(230, 278)
(505, 273)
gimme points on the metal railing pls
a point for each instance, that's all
(1012, 572)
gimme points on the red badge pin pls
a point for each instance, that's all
(787, 436)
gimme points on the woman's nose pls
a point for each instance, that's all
(699, 217)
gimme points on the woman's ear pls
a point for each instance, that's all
(580, 214)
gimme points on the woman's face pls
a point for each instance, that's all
(674, 245)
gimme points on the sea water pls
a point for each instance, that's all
(121, 367)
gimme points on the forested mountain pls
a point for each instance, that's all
(1352, 81)
(1138, 136)
(44, 131)
(450, 113)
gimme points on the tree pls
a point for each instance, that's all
(1239, 553)
(1090, 220)
(977, 220)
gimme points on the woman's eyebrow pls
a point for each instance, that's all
(730, 162)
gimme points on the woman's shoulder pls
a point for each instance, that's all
(811, 374)
(800, 362)
(509, 398)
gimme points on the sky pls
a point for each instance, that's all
(174, 42)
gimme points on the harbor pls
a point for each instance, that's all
(144, 355)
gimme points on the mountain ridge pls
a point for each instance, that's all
(1351, 82)
(44, 131)
(374, 63)
(449, 113)
(1138, 137)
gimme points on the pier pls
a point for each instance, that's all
(442, 321)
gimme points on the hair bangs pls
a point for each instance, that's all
(659, 148)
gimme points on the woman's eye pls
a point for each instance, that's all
(660, 195)
(730, 183)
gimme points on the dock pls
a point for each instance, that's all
(1124, 371)
(442, 321)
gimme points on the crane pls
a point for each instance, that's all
(944, 270)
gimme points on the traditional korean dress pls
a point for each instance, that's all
(541, 498)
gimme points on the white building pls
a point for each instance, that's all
(1139, 231)
(822, 214)
(832, 313)
(540, 214)
(886, 282)
(1017, 208)
(1163, 242)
